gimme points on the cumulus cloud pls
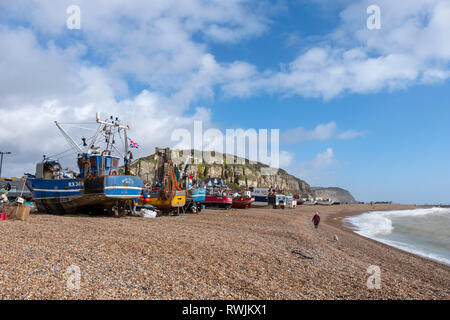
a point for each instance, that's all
(411, 47)
(158, 44)
(145, 61)
(350, 134)
(321, 132)
(149, 42)
(151, 117)
(286, 159)
(323, 160)
(152, 58)
(41, 84)
(317, 171)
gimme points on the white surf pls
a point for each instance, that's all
(425, 232)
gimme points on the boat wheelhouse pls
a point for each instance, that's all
(260, 195)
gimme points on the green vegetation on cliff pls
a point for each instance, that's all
(237, 176)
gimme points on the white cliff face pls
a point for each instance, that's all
(242, 175)
(333, 194)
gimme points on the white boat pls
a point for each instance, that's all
(290, 202)
(260, 195)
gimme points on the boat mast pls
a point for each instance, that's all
(126, 159)
(94, 140)
(119, 126)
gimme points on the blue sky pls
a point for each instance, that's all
(366, 110)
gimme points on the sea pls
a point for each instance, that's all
(425, 232)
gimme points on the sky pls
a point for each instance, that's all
(364, 109)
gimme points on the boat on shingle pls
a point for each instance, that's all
(98, 186)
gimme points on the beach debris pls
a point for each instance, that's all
(295, 251)
(146, 213)
(16, 211)
(335, 237)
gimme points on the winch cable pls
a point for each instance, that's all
(62, 154)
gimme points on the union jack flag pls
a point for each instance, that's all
(133, 144)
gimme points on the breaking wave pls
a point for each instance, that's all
(425, 232)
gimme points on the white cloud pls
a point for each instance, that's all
(350, 134)
(30, 72)
(286, 159)
(323, 160)
(33, 132)
(162, 46)
(411, 47)
(292, 40)
(321, 132)
(318, 170)
(41, 85)
(152, 42)
(78, 72)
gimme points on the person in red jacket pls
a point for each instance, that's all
(316, 220)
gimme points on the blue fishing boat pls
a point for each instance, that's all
(198, 194)
(98, 187)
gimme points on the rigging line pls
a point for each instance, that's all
(61, 153)
(111, 140)
(94, 138)
(104, 135)
(79, 127)
(120, 136)
(117, 150)
(59, 158)
(76, 123)
(57, 154)
(65, 155)
(90, 140)
(68, 138)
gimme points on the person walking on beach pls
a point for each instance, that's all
(133, 206)
(316, 220)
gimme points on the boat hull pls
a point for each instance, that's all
(218, 201)
(261, 201)
(80, 195)
(197, 195)
(261, 196)
(242, 203)
(167, 205)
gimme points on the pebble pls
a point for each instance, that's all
(211, 255)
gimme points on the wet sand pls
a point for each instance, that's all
(218, 254)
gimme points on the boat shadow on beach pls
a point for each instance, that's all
(97, 214)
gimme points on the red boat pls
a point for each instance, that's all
(243, 201)
(218, 201)
(217, 193)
